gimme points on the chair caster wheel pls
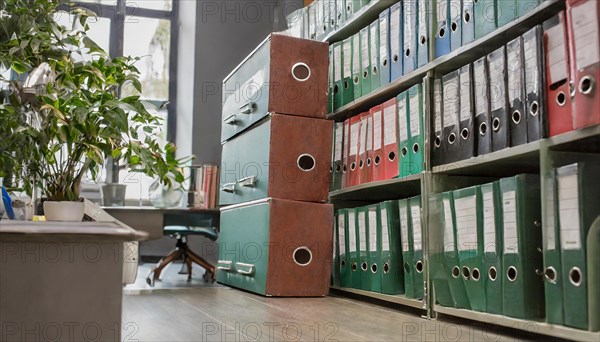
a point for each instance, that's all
(150, 279)
(206, 276)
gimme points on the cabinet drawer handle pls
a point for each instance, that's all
(231, 120)
(249, 182)
(248, 108)
(224, 265)
(248, 271)
(229, 187)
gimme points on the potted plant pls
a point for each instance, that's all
(70, 114)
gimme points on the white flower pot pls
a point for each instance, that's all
(64, 211)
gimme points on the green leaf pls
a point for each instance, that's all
(18, 67)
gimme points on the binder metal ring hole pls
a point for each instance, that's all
(452, 138)
(377, 160)
(550, 274)
(353, 166)
(466, 272)
(343, 263)
(516, 117)
(454, 26)
(561, 98)
(416, 148)
(346, 84)
(492, 273)
(419, 266)
(336, 89)
(392, 156)
(360, 164)
(300, 72)
(344, 168)
(534, 108)
(375, 70)
(442, 32)
(572, 89)
(483, 129)
(355, 79)
(368, 161)
(302, 256)
(575, 276)
(338, 168)
(511, 274)
(455, 272)
(404, 151)
(407, 52)
(467, 17)
(306, 162)
(365, 73)
(423, 40)
(586, 84)
(339, 16)
(324, 28)
(395, 58)
(384, 62)
(332, 22)
(354, 266)
(464, 133)
(386, 268)
(331, 169)
(374, 268)
(496, 124)
(349, 8)
(475, 274)
(406, 267)
(364, 266)
(437, 141)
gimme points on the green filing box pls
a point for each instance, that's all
(335, 267)
(374, 54)
(439, 259)
(492, 246)
(342, 224)
(415, 119)
(338, 92)
(485, 17)
(347, 84)
(403, 135)
(365, 60)
(362, 225)
(506, 11)
(392, 275)
(331, 80)
(356, 66)
(407, 247)
(374, 229)
(418, 265)
(353, 252)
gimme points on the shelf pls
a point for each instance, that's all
(381, 190)
(510, 161)
(537, 327)
(398, 299)
(581, 140)
(452, 61)
(365, 16)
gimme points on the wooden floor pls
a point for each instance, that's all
(225, 314)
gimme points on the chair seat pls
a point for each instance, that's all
(209, 232)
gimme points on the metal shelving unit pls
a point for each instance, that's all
(398, 299)
(379, 191)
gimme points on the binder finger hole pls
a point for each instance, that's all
(345, 168)
(534, 108)
(354, 266)
(395, 58)
(374, 268)
(492, 273)
(550, 274)
(407, 52)
(475, 274)
(419, 266)
(364, 266)
(355, 79)
(423, 40)
(455, 272)
(496, 124)
(300, 72)
(336, 89)
(384, 62)
(575, 276)
(442, 32)
(437, 141)
(416, 148)
(392, 156)
(353, 166)
(464, 133)
(483, 129)
(406, 267)
(338, 168)
(360, 164)
(516, 117)
(368, 161)
(466, 272)
(306, 162)
(302, 256)
(452, 138)
(467, 17)
(511, 273)
(561, 98)
(365, 73)
(346, 84)
(586, 84)
(377, 160)
(386, 268)
(331, 169)
(572, 89)
(454, 26)
(374, 70)
(343, 263)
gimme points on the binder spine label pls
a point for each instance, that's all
(530, 56)
(465, 94)
(466, 223)
(489, 222)
(385, 235)
(442, 12)
(568, 213)
(377, 130)
(342, 233)
(356, 55)
(348, 58)
(481, 94)
(550, 215)
(556, 51)
(351, 232)
(415, 212)
(497, 82)
(585, 30)
(452, 101)
(346, 139)
(415, 127)
(402, 119)
(369, 130)
(448, 227)
(383, 40)
(389, 125)
(509, 208)
(362, 231)
(374, 46)
(514, 71)
(364, 48)
(404, 228)
(437, 109)
(337, 64)
(395, 33)
(409, 24)
(423, 15)
(354, 138)
(373, 230)
(363, 136)
(337, 155)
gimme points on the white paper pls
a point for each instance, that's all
(389, 125)
(402, 123)
(550, 215)
(451, 102)
(531, 66)
(465, 94)
(346, 140)
(437, 102)
(395, 33)
(509, 209)
(363, 135)
(356, 56)
(383, 40)
(348, 58)
(481, 96)
(585, 30)
(337, 55)
(351, 232)
(415, 124)
(362, 231)
(339, 137)
(515, 68)
(374, 46)
(415, 212)
(404, 228)
(373, 229)
(556, 53)
(489, 222)
(466, 223)
(377, 130)
(448, 226)
(354, 130)
(364, 48)
(568, 211)
(385, 234)
(342, 233)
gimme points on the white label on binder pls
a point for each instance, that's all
(585, 30)
(342, 233)
(448, 227)
(557, 53)
(395, 34)
(351, 232)
(374, 46)
(497, 82)
(369, 133)
(514, 71)
(455, 9)
(437, 101)
(409, 24)
(568, 211)
(531, 66)
(481, 96)
(337, 64)
(489, 222)
(509, 209)
(354, 130)
(356, 56)
(423, 15)
(389, 125)
(465, 94)
(383, 40)
(466, 223)
(363, 135)
(364, 48)
(415, 127)
(442, 12)
(339, 137)
(402, 123)
(450, 102)
(362, 231)
(404, 228)
(373, 229)
(415, 212)
(385, 234)
(347, 58)
(550, 215)
(346, 139)
(377, 130)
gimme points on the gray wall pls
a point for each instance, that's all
(226, 32)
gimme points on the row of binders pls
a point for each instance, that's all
(379, 248)
(492, 104)
(383, 143)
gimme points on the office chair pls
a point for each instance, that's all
(180, 226)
